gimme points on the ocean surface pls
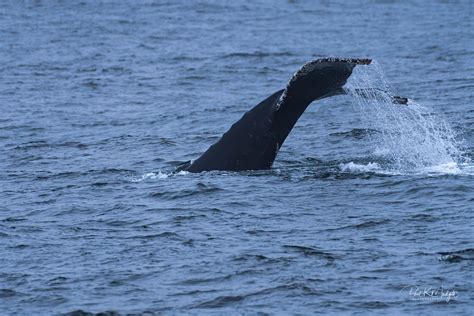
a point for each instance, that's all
(368, 208)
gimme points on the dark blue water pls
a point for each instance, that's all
(364, 211)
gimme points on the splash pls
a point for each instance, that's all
(411, 138)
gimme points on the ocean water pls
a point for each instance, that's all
(368, 208)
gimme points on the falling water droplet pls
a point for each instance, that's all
(412, 138)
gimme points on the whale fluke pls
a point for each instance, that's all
(252, 143)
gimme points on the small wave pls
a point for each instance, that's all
(363, 225)
(81, 312)
(457, 256)
(216, 279)
(309, 251)
(423, 218)
(200, 188)
(4, 293)
(221, 301)
(48, 175)
(250, 257)
(257, 54)
(166, 235)
(301, 289)
(356, 133)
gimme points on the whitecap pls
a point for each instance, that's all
(359, 168)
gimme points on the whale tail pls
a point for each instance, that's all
(320, 78)
(253, 142)
(317, 79)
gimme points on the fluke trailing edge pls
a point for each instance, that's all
(253, 142)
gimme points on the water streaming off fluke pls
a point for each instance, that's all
(411, 137)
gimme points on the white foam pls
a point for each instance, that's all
(158, 175)
(151, 176)
(447, 168)
(359, 168)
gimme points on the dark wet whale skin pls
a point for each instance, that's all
(252, 143)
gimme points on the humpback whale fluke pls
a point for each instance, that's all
(252, 143)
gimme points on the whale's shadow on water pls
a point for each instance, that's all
(253, 142)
